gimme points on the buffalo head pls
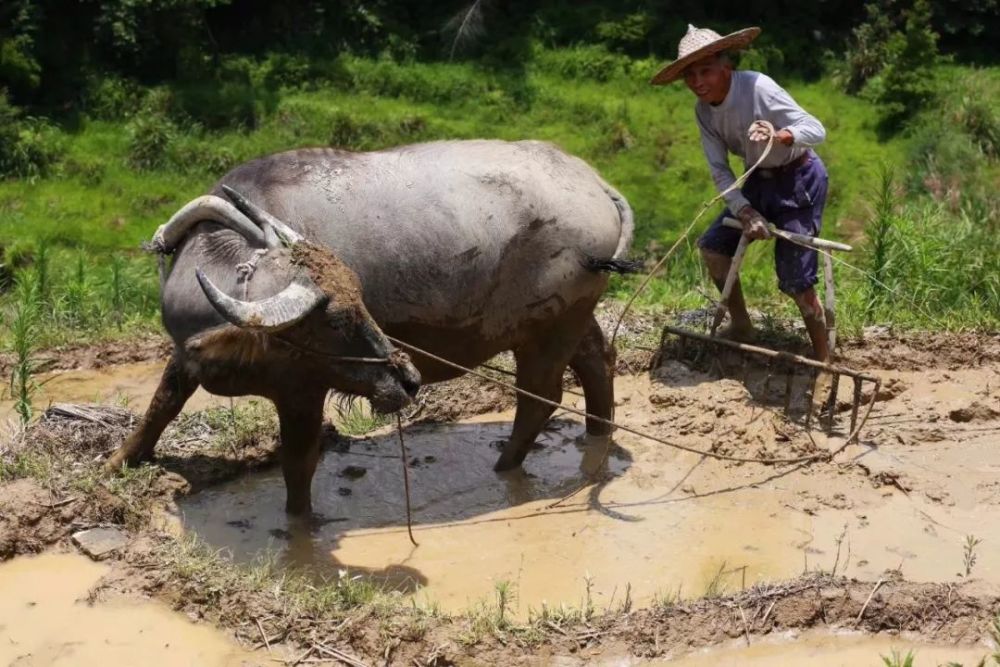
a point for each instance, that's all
(315, 313)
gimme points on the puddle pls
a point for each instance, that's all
(131, 385)
(826, 650)
(45, 620)
(666, 524)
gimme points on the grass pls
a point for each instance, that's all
(356, 417)
(938, 252)
(897, 659)
(23, 331)
(233, 429)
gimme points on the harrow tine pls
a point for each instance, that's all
(789, 381)
(767, 379)
(856, 403)
(809, 395)
(831, 401)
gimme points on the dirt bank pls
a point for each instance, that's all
(898, 507)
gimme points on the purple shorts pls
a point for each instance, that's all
(792, 197)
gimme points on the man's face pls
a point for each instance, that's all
(709, 79)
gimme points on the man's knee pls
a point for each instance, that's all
(717, 263)
(809, 304)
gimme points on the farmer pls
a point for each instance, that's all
(788, 188)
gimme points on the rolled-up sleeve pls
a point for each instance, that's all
(784, 113)
(718, 163)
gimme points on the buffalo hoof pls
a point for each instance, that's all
(509, 460)
(594, 440)
(120, 458)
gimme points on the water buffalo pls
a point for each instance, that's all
(462, 248)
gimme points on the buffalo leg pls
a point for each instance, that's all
(540, 369)
(301, 418)
(175, 388)
(594, 364)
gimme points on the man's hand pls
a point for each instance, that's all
(754, 224)
(762, 130)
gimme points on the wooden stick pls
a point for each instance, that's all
(792, 237)
(829, 303)
(774, 354)
(263, 635)
(731, 278)
(861, 613)
(746, 628)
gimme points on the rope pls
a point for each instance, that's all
(406, 478)
(633, 431)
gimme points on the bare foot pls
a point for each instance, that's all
(740, 334)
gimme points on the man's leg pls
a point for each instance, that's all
(812, 315)
(741, 328)
(717, 246)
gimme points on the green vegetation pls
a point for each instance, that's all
(913, 144)
(897, 659)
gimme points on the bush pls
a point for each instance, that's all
(629, 34)
(353, 133)
(149, 137)
(28, 146)
(892, 60)
(18, 66)
(111, 97)
(584, 62)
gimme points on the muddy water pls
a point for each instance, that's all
(828, 650)
(45, 620)
(132, 385)
(666, 523)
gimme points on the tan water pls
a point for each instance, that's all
(46, 620)
(131, 385)
(665, 524)
(818, 649)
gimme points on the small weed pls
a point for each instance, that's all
(23, 329)
(896, 659)
(506, 593)
(880, 237)
(717, 584)
(969, 554)
(355, 417)
(666, 599)
(26, 464)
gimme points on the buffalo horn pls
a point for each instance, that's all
(271, 314)
(206, 207)
(264, 219)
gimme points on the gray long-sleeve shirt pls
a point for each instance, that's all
(752, 96)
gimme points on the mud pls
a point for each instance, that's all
(48, 617)
(131, 385)
(845, 649)
(141, 348)
(617, 572)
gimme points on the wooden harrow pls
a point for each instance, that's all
(778, 363)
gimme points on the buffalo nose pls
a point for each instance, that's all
(410, 386)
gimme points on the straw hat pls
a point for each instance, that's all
(699, 43)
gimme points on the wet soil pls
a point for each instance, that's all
(48, 617)
(897, 507)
